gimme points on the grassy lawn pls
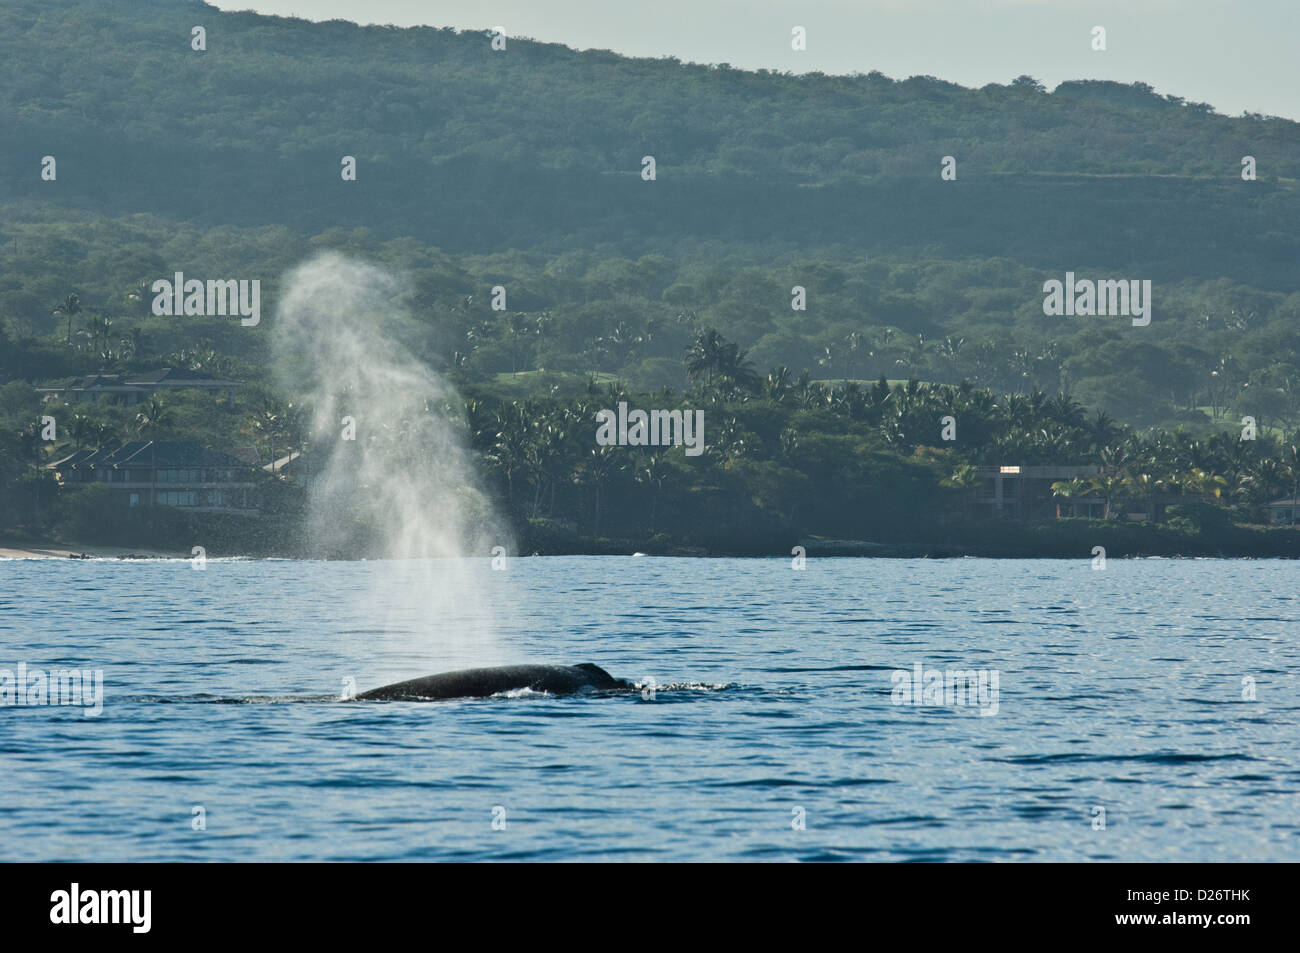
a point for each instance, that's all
(530, 383)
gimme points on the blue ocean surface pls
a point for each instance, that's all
(1145, 712)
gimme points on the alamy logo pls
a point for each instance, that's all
(1131, 298)
(210, 298)
(69, 686)
(103, 906)
(951, 688)
(658, 428)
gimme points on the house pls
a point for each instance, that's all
(1020, 492)
(250, 455)
(299, 466)
(132, 387)
(1285, 511)
(149, 473)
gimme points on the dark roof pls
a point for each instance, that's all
(72, 459)
(299, 462)
(172, 375)
(151, 453)
(136, 379)
(250, 455)
(87, 382)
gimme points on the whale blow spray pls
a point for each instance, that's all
(390, 475)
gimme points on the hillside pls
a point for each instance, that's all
(521, 168)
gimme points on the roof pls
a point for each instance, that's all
(250, 455)
(298, 461)
(1286, 501)
(1040, 472)
(151, 453)
(89, 382)
(172, 375)
(72, 459)
(135, 380)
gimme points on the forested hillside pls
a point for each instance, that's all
(523, 168)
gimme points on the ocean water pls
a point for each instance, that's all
(1123, 695)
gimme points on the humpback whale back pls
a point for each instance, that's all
(482, 682)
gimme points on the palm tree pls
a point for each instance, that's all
(1065, 410)
(777, 384)
(510, 449)
(653, 470)
(1069, 490)
(71, 306)
(914, 356)
(1259, 483)
(104, 434)
(853, 343)
(1115, 460)
(97, 331)
(268, 424)
(1109, 487)
(1291, 463)
(737, 370)
(730, 441)
(82, 427)
(950, 349)
(546, 453)
(965, 478)
(703, 355)
(1200, 483)
(154, 417)
(139, 299)
(598, 466)
(1102, 430)
(712, 355)
(1222, 382)
(809, 394)
(827, 360)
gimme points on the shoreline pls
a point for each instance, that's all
(813, 549)
(10, 549)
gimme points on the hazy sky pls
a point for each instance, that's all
(1234, 54)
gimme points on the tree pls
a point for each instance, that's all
(711, 355)
(81, 428)
(71, 306)
(914, 357)
(702, 356)
(653, 470)
(1102, 430)
(1291, 461)
(268, 424)
(511, 446)
(777, 384)
(1109, 487)
(154, 418)
(1070, 490)
(965, 478)
(597, 468)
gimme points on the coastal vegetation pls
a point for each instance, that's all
(797, 270)
(785, 458)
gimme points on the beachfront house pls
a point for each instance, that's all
(133, 387)
(1284, 512)
(1023, 492)
(150, 473)
(302, 467)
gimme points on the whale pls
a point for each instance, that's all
(482, 682)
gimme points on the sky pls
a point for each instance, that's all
(1236, 55)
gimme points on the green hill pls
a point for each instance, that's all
(522, 168)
